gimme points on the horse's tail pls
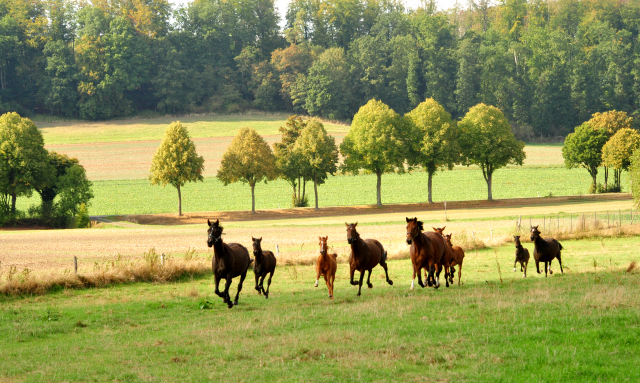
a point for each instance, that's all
(384, 257)
(335, 255)
(560, 246)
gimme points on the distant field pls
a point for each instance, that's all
(140, 197)
(124, 130)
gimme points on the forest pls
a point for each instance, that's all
(548, 65)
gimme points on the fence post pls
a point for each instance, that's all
(277, 251)
(445, 210)
(570, 223)
(632, 216)
(583, 221)
(75, 265)
(607, 219)
(595, 220)
(558, 222)
(519, 222)
(619, 218)
(162, 259)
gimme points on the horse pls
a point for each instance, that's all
(426, 251)
(458, 257)
(522, 256)
(229, 261)
(326, 265)
(545, 250)
(447, 256)
(265, 263)
(365, 255)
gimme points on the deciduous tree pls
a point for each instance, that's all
(583, 148)
(617, 152)
(486, 140)
(176, 161)
(249, 160)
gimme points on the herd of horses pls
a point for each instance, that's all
(431, 251)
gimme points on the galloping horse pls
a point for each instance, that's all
(365, 255)
(522, 256)
(458, 257)
(545, 250)
(447, 257)
(426, 252)
(265, 264)
(326, 265)
(229, 261)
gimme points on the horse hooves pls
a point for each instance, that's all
(514, 269)
(436, 286)
(230, 305)
(266, 296)
(390, 282)
(370, 285)
(354, 283)
(550, 272)
(524, 276)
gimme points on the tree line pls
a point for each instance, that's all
(379, 141)
(26, 166)
(549, 65)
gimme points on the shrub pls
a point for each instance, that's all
(82, 218)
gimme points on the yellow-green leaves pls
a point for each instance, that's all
(176, 161)
(617, 152)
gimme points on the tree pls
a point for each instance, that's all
(48, 190)
(289, 162)
(176, 161)
(486, 140)
(583, 148)
(634, 172)
(617, 152)
(327, 90)
(376, 142)
(433, 134)
(319, 150)
(249, 160)
(611, 121)
(23, 158)
(74, 190)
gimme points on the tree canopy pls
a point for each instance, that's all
(248, 159)
(486, 140)
(583, 148)
(176, 161)
(617, 152)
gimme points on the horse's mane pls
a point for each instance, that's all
(420, 226)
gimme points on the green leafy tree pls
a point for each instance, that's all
(176, 161)
(486, 140)
(74, 190)
(249, 160)
(434, 140)
(289, 162)
(376, 142)
(60, 84)
(319, 151)
(327, 86)
(617, 152)
(48, 188)
(23, 158)
(611, 121)
(583, 148)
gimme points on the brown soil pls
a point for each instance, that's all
(274, 214)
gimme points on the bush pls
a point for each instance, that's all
(304, 202)
(82, 218)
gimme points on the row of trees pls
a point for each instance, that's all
(547, 64)
(607, 140)
(379, 141)
(26, 166)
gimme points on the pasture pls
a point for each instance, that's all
(580, 326)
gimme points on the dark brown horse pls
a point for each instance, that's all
(426, 252)
(447, 257)
(229, 261)
(265, 263)
(522, 256)
(326, 265)
(365, 255)
(458, 257)
(545, 250)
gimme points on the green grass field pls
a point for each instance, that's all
(140, 197)
(580, 326)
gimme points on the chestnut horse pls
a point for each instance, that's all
(326, 265)
(545, 250)
(458, 257)
(265, 264)
(426, 252)
(447, 257)
(365, 255)
(229, 261)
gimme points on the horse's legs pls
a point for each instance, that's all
(360, 284)
(369, 279)
(413, 278)
(217, 291)
(266, 293)
(327, 280)
(430, 278)
(262, 284)
(235, 301)
(258, 284)
(550, 271)
(560, 263)
(386, 273)
(545, 269)
(332, 278)
(538, 266)
(459, 273)
(318, 276)
(514, 265)
(526, 264)
(227, 284)
(353, 271)
(438, 270)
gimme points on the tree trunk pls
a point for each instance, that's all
(606, 178)
(304, 189)
(429, 186)
(489, 180)
(179, 202)
(298, 196)
(13, 204)
(379, 174)
(315, 189)
(253, 199)
(595, 180)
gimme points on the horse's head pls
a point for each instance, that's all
(323, 245)
(448, 238)
(214, 232)
(414, 228)
(257, 247)
(516, 239)
(352, 234)
(439, 230)
(534, 233)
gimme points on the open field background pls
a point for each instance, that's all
(580, 326)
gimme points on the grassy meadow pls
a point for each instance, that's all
(580, 326)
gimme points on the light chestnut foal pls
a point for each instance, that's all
(326, 265)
